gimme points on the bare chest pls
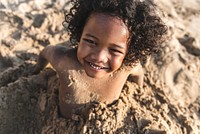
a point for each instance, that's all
(77, 87)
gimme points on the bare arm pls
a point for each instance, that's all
(137, 75)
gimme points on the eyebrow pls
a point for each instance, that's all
(90, 35)
(115, 45)
(118, 46)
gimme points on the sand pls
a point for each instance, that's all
(169, 102)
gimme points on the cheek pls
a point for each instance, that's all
(83, 51)
(80, 52)
(117, 62)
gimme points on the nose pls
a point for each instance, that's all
(100, 56)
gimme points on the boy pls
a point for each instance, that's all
(110, 38)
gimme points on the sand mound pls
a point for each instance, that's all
(30, 105)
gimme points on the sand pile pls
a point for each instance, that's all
(169, 102)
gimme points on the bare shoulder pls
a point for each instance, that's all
(133, 70)
(59, 56)
(137, 70)
(64, 54)
(136, 74)
(60, 51)
(50, 52)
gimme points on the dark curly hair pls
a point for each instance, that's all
(146, 28)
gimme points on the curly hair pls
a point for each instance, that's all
(146, 28)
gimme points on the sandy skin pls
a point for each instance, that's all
(94, 72)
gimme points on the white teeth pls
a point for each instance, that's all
(95, 67)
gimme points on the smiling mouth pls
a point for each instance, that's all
(96, 67)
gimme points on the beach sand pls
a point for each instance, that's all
(169, 102)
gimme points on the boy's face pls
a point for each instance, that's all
(103, 45)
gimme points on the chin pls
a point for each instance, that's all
(97, 76)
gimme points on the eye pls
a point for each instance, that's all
(116, 51)
(90, 41)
